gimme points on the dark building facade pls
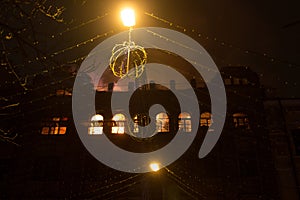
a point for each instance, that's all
(52, 162)
(284, 128)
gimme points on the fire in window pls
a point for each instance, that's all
(96, 127)
(185, 122)
(162, 122)
(55, 126)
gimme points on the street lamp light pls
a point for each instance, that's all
(128, 17)
(154, 166)
(128, 59)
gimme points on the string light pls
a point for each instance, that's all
(79, 59)
(82, 43)
(39, 87)
(128, 55)
(56, 53)
(12, 70)
(269, 58)
(91, 40)
(98, 36)
(97, 189)
(8, 139)
(182, 182)
(80, 25)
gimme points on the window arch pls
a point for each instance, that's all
(119, 127)
(162, 122)
(205, 119)
(184, 122)
(97, 117)
(241, 120)
(96, 127)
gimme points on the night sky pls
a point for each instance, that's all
(43, 43)
(261, 35)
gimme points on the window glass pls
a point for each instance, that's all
(205, 119)
(55, 126)
(241, 120)
(184, 122)
(96, 127)
(162, 122)
(135, 125)
(119, 127)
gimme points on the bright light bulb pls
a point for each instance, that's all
(128, 17)
(154, 167)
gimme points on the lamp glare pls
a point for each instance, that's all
(128, 17)
(154, 167)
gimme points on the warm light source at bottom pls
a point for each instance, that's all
(154, 166)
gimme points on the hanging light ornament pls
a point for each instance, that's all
(128, 59)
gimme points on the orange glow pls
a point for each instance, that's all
(128, 17)
(60, 92)
(56, 119)
(64, 119)
(205, 119)
(45, 131)
(62, 130)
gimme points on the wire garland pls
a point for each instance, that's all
(128, 59)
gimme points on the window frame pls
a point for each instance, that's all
(55, 126)
(205, 121)
(119, 126)
(241, 121)
(185, 123)
(96, 125)
(165, 121)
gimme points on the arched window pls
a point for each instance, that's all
(162, 122)
(184, 122)
(241, 120)
(205, 119)
(119, 127)
(96, 127)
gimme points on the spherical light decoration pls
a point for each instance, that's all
(128, 59)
